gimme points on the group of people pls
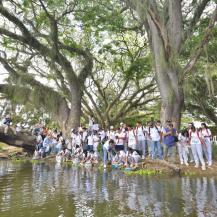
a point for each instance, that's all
(127, 145)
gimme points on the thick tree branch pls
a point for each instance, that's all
(196, 17)
(205, 40)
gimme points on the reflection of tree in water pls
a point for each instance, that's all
(70, 191)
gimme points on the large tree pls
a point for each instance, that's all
(169, 26)
(46, 55)
(122, 82)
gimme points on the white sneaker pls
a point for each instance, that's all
(209, 164)
(186, 163)
(105, 166)
(191, 161)
(203, 167)
(182, 163)
(196, 165)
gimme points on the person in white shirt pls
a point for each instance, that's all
(183, 146)
(84, 137)
(140, 134)
(111, 133)
(90, 142)
(155, 137)
(96, 141)
(207, 147)
(132, 158)
(120, 158)
(72, 144)
(91, 122)
(78, 139)
(132, 139)
(148, 138)
(107, 151)
(102, 135)
(120, 139)
(196, 142)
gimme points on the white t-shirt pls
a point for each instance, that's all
(95, 127)
(132, 139)
(121, 138)
(73, 137)
(111, 135)
(84, 135)
(78, 139)
(147, 133)
(182, 139)
(96, 140)
(102, 135)
(122, 154)
(136, 157)
(90, 140)
(206, 134)
(195, 137)
(155, 134)
(140, 134)
(106, 145)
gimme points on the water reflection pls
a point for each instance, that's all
(56, 190)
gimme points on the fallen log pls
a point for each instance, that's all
(162, 163)
(22, 140)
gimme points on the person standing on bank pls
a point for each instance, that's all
(140, 134)
(207, 147)
(196, 141)
(169, 141)
(155, 136)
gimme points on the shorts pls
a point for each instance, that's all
(119, 148)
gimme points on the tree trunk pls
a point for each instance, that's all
(167, 76)
(74, 115)
(171, 108)
(69, 118)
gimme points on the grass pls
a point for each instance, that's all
(3, 146)
(144, 172)
(189, 173)
(67, 163)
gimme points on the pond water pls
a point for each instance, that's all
(52, 190)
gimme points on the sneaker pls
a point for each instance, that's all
(196, 165)
(186, 163)
(203, 167)
(209, 164)
(182, 163)
(191, 161)
(105, 166)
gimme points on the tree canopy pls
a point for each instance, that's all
(109, 59)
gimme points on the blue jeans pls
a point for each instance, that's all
(89, 148)
(107, 154)
(170, 152)
(156, 150)
(141, 147)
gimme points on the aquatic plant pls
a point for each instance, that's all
(189, 173)
(145, 172)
